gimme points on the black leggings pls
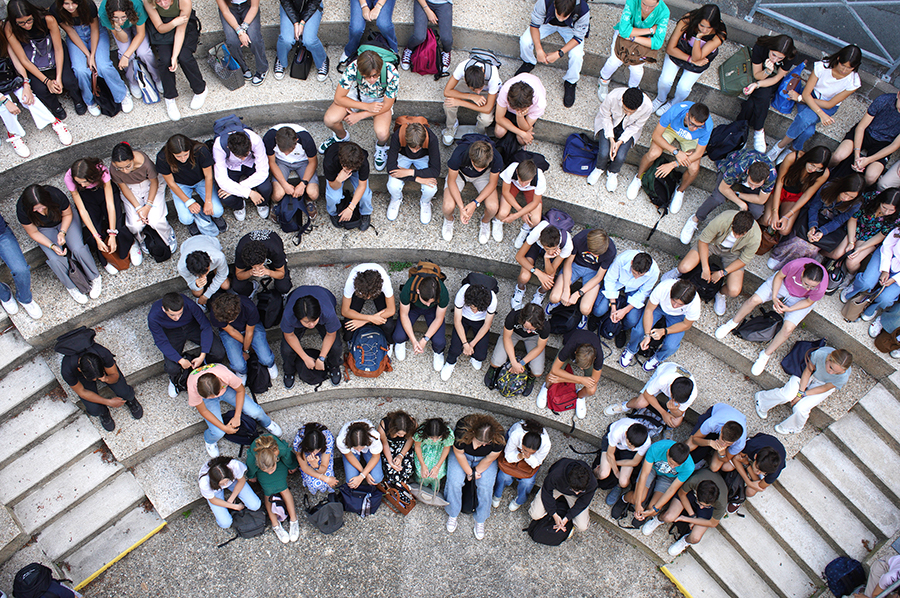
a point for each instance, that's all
(755, 108)
(69, 82)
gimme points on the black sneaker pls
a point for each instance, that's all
(568, 94)
(322, 72)
(137, 412)
(526, 67)
(60, 113)
(336, 377)
(619, 509)
(490, 378)
(621, 338)
(80, 108)
(107, 422)
(529, 386)
(220, 223)
(289, 381)
(192, 228)
(365, 222)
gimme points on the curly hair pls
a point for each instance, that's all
(478, 296)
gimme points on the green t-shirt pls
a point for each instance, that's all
(719, 509)
(275, 482)
(443, 301)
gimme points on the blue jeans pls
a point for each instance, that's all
(334, 196)
(524, 488)
(484, 486)
(804, 124)
(235, 350)
(385, 23)
(203, 222)
(11, 254)
(310, 39)
(213, 434)
(247, 497)
(632, 318)
(603, 161)
(351, 472)
(866, 281)
(105, 68)
(670, 343)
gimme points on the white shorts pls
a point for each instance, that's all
(794, 317)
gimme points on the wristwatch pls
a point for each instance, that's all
(322, 358)
(425, 339)
(561, 53)
(675, 151)
(532, 270)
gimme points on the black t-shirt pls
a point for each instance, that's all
(760, 54)
(512, 323)
(249, 316)
(761, 441)
(275, 257)
(57, 197)
(577, 338)
(69, 369)
(432, 152)
(461, 162)
(92, 10)
(331, 165)
(586, 259)
(482, 451)
(186, 175)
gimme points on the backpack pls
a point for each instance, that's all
(705, 290)
(470, 138)
(509, 384)
(258, 379)
(609, 329)
(180, 380)
(224, 127)
(736, 72)
(487, 59)
(844, 575)
(654, 344)
(541, 530)
(355, 220)
(420, 272)
(760, 329)
(726, 138)
(367, 356)
(539, 160)
(737, 489)
(247, 524)
(563, 319)
(313, 377)
(562, 395)
(292, 216)
(403, 120)
(477, 278)
(327, 515)
(363, 500)
(158, 249)
(103, 96)
(301, 61)
(246, 433)
(426, 60)
(580, 154)
(33, 581)
(270, 304)
(795, 361)
(560, 220)
(376, 42)
(781, 101)
(75, 342)
(660, 191)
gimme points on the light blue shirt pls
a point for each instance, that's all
(619, 277)
(721, 415)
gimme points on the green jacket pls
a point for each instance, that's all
(717, 231)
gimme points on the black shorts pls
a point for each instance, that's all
(704, 513)
(870, 145)
(535, 252)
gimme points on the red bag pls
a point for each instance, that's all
(562, 395)
(425, 56)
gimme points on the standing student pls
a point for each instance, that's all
(800, 176)
(187, 168)
(291, 149)
(546, 242)
(521, 102)
(526, 179)
(474, 309)
(626, 286)
(643, 22)
(203, 267)
(414, 155)
(270, 460)
(12, 256)
(527, 325)
(347, 162)
(874, 139)
(583, 350)
(527, 445)
(592, 256)
(426, 296)
(773, 57)
(221, 474)
(433, 441)
(718, 436)
(314, 449)
(617, 127)
(677, 304)
(367, 11)
(299, 22)
(241, 169)
(425, 13)
(126, 20)
(361, 449)
(260, 255)
(473, 85)
(368, 282)
(623, 448)
(241, 25)
(144, 191)
(236, 320)
(573, 480)
(669, 392)
(477, 162)
(396, 431)
(307, 308)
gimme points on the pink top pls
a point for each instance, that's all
(222, 372)
(793, 275)
(70, 182)
(538, 104)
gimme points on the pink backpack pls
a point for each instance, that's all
(425, 57)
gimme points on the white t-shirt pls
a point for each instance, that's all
(237, 469)
(661, 382)
(827, 86)
(661, 296)
(893, 573)
(514, 445)
(617, 432)
(298, 154)
(386, 286)
(729, 241)
(467, 312)
(509, 176)
(491, 86)
(374, 449)
(534, 237)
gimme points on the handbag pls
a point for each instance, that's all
(225, 67)
(887, 341)
(632, 53)
(685, 47)
(41, 54)
(433, 498)
(770, 238)
(103, 96)
(144, 81)
(10, 79)
(399, 499)
(858, 304)
(77, 274)
(469, 497)
(300, 60)
(119, 263)
(782, 101)
(519, 470)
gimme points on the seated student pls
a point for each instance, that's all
(617, 127)
(474, 309)
(572, 20)
(877, 134)
(210, 386)
(11, 255)
(174, 321)
(126, 21)
(883, 573)
(872, 223)
(643, 22)
(221, 474)
(241, 26)
(521, 102)
(526, 178)
(364, 283)
(760, 463)
(718, 436)
(479, 163)
(671, 381)
(793, 291)
(242, 172)
(733, 236)
(260, 254)
(432, 441)
(592, 255)
(427, 13)
(623, 448)
(314, 450)
(396, 431)
(800, 176)
(677, 304)
(426, 297)
(667, 463)
(343, 162)
(479, 440)
(368, 88)
(583, 350)
(684, 132)
(883, 270)
(361, 449)
(473, 85)
(547, 242)
(310, 307)
(187, 168)
(526, 442)
(414, 156)
(299, 21)
(82, 372)
(828, 370)
(633, 274)
(772, 58)
(291, 150)
(203, 267)
(236, 319)
(573, 480)
(527, 325)
(270, 460)
(702, 502)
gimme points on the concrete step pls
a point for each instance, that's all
(18, 386)
(65, 489)
(882, 409)
(40, 418)
(827, 509)
(868, 450)
(13, 348)
(728, 567)
(91, 516)
(12, 536)
(691, 578)
(46, 458)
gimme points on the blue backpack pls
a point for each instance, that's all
(368, 356)
(844, 575)
(580, 154)
(292, 216)
(224, 127)
(781, 101)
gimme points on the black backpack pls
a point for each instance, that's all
(327, 515)
(157, 248)
(542, 532)
(246, 433)
(760, 329)
(270, 304)
(705, 290)
(660, 190)
(258, 379)
(564, 319)
(477, 278)
(75, 342)
(247, 524)
(33, 581)
(727, 138)
(313, 377)
(654, 344)
(104, 97)
(609, 329)
(355, 220)
(292, 216)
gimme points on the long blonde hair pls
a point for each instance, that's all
(266, 449)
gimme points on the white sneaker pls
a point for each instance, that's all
(33, 310)
(495, 502)
(274, 429)
(241, 214)
(895, 353)
(212, 449)
(447, 230)
(173, 392)
(448, 135)
(612, 182)
(657, 103)
(677, 200)
(199, 99)
(514, 506)
(759, 141)
(136, 255)
(127, 104)
(875, 327)
(19, 146)
(484, 233)
(615, 409)
(603, 90)
(281, 534)
(172, 110)
(135, 90)
(77, 295)
(110, 269)
(726, 328)
(295, 531)
(541, 401)
(772, 263)
(594, 177)
(634, 187)
(452, 523)
(762, 414)
(520, 238)
(437, 362)
(687, 232)
(867, 318)
(497, 230)
(663, 109)
(580, 408)
(760, 364)
(263, 210)
(62, 131)
(476, 365)
(425, 212)
(273, 372)
(678, 547)
(400, 351)
(626, 359)
(720, 305)
(774, 152)
(447, 371)
(651, 364)
(93, 109)
(479, 531)
(380, 159)
(11, 307)
(393, 209)
(650, 526)
(538, 298)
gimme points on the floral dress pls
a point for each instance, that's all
(431, 453)
(391, 475)
(314, 484)
(869, 226)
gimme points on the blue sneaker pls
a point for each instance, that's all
(614, 495)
